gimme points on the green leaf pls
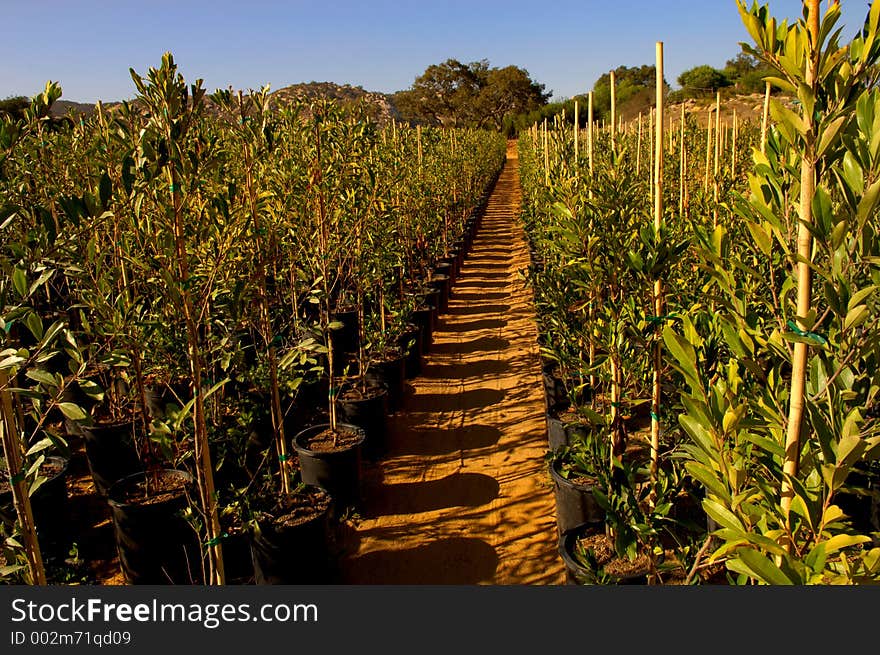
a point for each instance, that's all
(761, 237)
(40, 446)
(19, 281)
(43, 377)
(829, 135)
(840, 541)
(698, 433)
(764, 569)
(35, 325)
(708, 479)
(10, 361)
(868, 203)
(855, 317)
(723, 516)
(72, 411)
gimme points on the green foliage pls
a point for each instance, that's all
(702, 80)
(736, 403)
(454, 94)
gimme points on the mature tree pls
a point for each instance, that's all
(14, 106)
(702, 80)
(456, 95)
(747, 73)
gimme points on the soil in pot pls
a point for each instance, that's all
(367, 408)
(332, 460)
(291, 542)
(590, 558)
(575, 503)
(156, 545)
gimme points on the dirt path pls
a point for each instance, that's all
(463, 496)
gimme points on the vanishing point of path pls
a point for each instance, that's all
(463, 495)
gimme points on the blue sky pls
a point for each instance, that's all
(89, 45)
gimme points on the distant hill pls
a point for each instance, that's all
(381, 108)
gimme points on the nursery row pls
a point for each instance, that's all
(708, 317)
(219, 297)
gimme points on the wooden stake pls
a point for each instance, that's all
(658, 283)
(651, 150)
(791, 458)
(613, 112)
(717, 156)
(733, 147)
(576, 118)
(708, 151)
(639, 148)
(546, 156)
(419, 142)
(590, 132)
(681, 151)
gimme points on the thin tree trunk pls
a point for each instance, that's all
(12, 453)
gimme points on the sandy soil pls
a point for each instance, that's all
(463, 496)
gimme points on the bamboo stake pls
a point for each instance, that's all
(733, 147)
(804, 276)
(765, 118)
(658, 283)
(708, 151)
(651, 150)
(590, 133)
(419, 143)
(18, 483)
(546, 156)
(613, 112)
(639, 148)
(717, 156)
(681, 171)
(576, 148)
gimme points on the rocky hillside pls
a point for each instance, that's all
(379, 105)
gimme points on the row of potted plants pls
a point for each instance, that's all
(757, 367)
(205, 290)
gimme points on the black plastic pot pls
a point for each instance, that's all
(238, 564)
(575, 503)
(424, 318)
(110, 452)
(440, 284)
(338, 472)
(554, 389)
(557, 436)
(294, 554)
(410, 343)
(390, 374)
(346, 339)
(446, 266)
(155, 543)
(49, 508)
(369, 414)
(576, 572)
